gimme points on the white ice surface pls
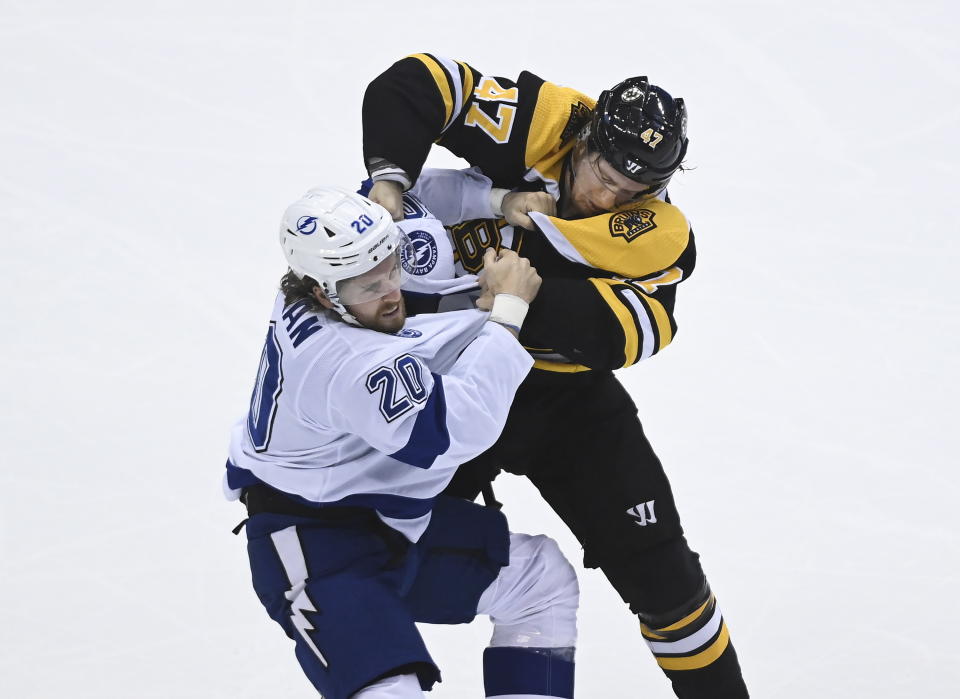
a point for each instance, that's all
(806, 412)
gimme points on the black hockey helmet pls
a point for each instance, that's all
(640, 130)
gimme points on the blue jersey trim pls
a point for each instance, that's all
(394, 506)
(239, 478)
(429, 437)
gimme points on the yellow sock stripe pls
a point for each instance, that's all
(648, 633)
(662, 319)
(632, 337)
(467, 83)
(440, 78)
(701, 659)
(693, 616)
(689, 618)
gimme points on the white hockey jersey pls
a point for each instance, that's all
(456, 195)
(350, 416)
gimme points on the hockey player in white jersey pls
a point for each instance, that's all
(358, 420)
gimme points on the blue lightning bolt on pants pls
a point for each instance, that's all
(349, 593)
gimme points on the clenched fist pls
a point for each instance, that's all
(506, 273)
(389, 195)
(516, 207)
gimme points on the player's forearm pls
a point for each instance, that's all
(456, 195)
(402, 116)
(602, 324)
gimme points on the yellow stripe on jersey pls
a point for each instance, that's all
(634, 242)
(467, 83)
(631, 336)
(555, 108)
(701, 659)
(662, 319)
(440, 78)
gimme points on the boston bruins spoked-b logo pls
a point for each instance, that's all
(420, 257)
(632, 224)
(579, 117)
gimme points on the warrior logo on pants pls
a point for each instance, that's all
(643, 513)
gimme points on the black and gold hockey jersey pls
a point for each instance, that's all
(511, 130)
(609, 286)
(609, 280)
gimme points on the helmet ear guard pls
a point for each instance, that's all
(640, 130)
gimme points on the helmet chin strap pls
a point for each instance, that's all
(342, 311)
(349, 319)
(339, 308)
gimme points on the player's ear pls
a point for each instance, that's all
(322, 298)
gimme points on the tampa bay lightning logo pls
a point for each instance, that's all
(408, 332)
(420, 257)
(306, 225)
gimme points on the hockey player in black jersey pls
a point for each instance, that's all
(610, 261)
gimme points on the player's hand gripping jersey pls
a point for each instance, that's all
(609, 281)
(349, 416)
(591, 317)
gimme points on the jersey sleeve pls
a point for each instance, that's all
(395, 404)
(407, 108)
(601, 322)
(635, 242)
(622, 312)
(455, 195)
(503, 126)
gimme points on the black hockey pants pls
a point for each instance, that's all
(580, 442)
